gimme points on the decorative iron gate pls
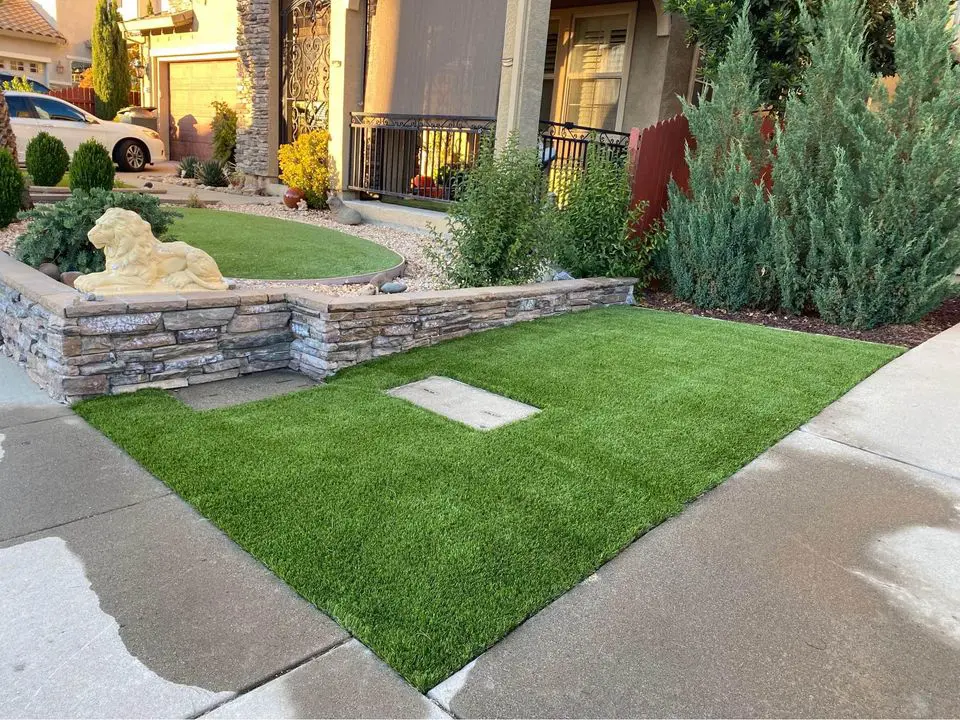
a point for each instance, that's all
(304, 66)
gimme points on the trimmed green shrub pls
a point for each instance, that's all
(212, 173)
(594, 237)
(91, 167)
(11, 188)
(502, 228)
(47, 159)
(719, 241)
(188, 166)
(58, 232)
(867, 189)
(224, 128)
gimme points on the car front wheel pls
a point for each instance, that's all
(131, 156)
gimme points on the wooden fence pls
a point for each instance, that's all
(85, 99)
(657, 154)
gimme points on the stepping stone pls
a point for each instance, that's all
(463, 403)
(241, 390)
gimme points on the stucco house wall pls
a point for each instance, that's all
(435, 57)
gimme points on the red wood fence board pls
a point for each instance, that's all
(84, 98)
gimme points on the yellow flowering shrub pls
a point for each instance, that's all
(304, 166)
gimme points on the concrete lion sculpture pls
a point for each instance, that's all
(139, 263)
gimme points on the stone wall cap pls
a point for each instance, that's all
(30, 281)
(498, 292)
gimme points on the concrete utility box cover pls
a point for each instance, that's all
(464, 403)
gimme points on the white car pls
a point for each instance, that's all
(133, 147)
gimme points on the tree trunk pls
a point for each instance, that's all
(7, 139)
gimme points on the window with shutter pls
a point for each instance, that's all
(595, 70)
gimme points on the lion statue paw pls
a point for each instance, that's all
(139, 263)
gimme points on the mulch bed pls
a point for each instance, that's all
(909, 336)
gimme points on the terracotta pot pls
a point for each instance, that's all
(292, 198)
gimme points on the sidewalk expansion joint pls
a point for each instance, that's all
(250, 687)
(12, 538)
(932, 471)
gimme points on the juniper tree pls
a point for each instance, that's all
(718, 235)
(866, 189)
(828, 113)
(111, 66)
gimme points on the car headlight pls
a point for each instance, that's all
(152, 134)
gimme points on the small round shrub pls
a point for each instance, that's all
(91, 167)
(304, 165)
(47, 159)
(212, 173)
(11, 188)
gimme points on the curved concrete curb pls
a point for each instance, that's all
(390, 274)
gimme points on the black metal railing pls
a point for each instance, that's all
(414, 156)
(565, 148)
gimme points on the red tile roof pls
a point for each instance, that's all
(21, 16)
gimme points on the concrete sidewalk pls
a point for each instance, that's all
(823, 580)
(118, 600)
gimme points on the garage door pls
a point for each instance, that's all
(193, 87)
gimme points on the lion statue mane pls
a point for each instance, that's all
(139, 263)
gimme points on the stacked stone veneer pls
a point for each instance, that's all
(334, 333)
(254, 75)
(77, 348)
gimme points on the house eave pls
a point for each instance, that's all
(155, 23)
(32, 36)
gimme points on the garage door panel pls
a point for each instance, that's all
(194, 86)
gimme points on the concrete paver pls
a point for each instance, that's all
(786, 592)
(349, 681)
(472, 406)
(244, 389)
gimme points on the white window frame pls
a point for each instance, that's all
(568, 18)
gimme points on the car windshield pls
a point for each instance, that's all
(51, 109)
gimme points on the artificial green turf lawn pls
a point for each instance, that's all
(429, 540)
(248, 246)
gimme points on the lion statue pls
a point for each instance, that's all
(139, 263)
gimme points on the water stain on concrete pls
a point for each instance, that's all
(63, 656)
(917, 567)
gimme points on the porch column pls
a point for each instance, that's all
(258, 87)
(347, 43)
(521, 74)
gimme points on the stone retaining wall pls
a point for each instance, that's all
(77, 348)
(334, 333)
